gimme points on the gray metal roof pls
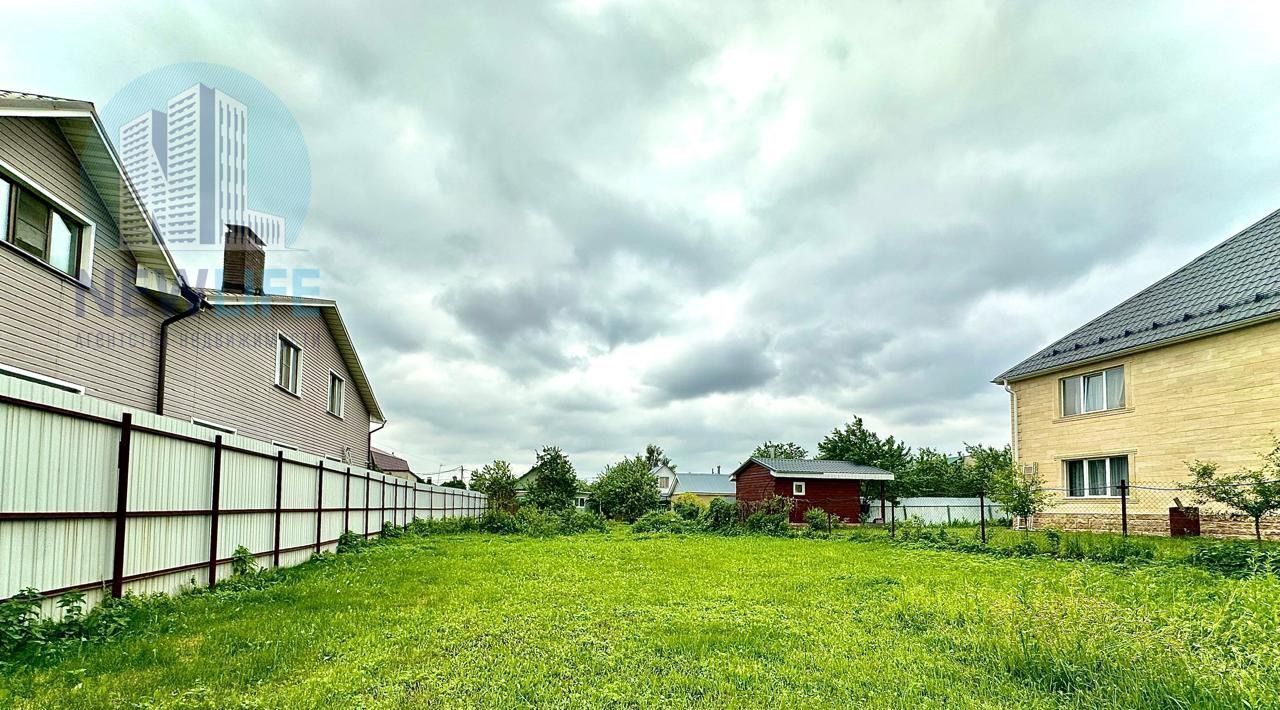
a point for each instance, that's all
(1234, 284)
(819, 468)
(712, 484)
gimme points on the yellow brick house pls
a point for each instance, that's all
(1189, 368)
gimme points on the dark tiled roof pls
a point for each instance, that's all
(1233, 283)
(389, 462)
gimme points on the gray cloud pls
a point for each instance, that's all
(537, 217)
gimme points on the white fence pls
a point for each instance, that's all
(944, 511)
(105, 499)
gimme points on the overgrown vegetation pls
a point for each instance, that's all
(627, 490)
(555, 482)
(707, 621)
(496, 481)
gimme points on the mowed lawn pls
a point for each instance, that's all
(628, 621)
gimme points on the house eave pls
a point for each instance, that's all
(1146, 347)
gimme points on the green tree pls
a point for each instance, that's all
(626, 490)
(789, 450)
(983, 465)
(932, 473)
(1254, 492)
(555, 484)
(455, 482)
(655, 456)
(496, 481)
(1021, 494)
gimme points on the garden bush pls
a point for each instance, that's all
(720, 516)
(1236, 559)
(819, 522)
(688, 506)
(574, 522)
(770, 517)
(665, 522)
(498, 522)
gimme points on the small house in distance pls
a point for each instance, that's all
(834, 486)
(706, 486)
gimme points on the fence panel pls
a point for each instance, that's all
(190, 498)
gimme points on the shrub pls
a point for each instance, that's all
(720, 516)
(350, 542)
(818, 521)
(770, 517)
(1236, 559)
(574, 522)
(664, 522)
(536, 523)
(499, 522)
(688, 506)
(244, 563)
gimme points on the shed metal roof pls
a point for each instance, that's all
(818, 468)
(1234, 284)
(705, 483)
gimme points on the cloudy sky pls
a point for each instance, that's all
(599, 224)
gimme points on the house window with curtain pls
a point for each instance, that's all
(1097, 477)
(40, 230)
(1093, 392)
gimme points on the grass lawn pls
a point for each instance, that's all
(623, 620)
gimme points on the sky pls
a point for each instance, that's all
(602, 224)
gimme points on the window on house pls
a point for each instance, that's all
(32, 225)
(581, 502)
(663, 481)
(335, 394)
(1101, 477)
(288, 362)
(797, 488)
(1093, 392)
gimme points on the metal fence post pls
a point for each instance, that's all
(982, 515)
(882, 515)
(213, 511)
(893, 520)
(1124, 508)
(319, 502)
(275, 553)
(122, 504)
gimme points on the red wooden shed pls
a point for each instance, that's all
(834, 486)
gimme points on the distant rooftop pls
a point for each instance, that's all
(824, 468)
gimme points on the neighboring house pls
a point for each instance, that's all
(277, 368)
(92, 302)
(834, 486)
(85, 280)
(706, 486)
(1184, 370)
(666, 481)
(387, 462)
(583, 500)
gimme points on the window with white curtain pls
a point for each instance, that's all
(1093, 392)
(1096, 478)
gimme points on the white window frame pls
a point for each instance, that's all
(664, 482)
(797, 488)
(342, 395)
(213, 425)
(40, 379)
(1066, 476)
(1062, 386)
(581, 502)
(281, 339)
(88, 233)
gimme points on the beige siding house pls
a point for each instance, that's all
(92, 302)
(1187, 369)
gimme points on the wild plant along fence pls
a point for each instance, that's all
(103, 499)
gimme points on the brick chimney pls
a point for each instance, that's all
(244, 258)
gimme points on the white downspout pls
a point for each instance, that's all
(1014, 397)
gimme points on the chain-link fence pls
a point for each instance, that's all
(1166, 510)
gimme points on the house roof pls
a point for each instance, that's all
(1234, 284)
(704, 483)
(386, 461)
(332, 317)
(818, 468)
(83, 130)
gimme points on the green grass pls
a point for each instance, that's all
(642, 621)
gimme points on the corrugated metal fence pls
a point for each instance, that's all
(101, 498)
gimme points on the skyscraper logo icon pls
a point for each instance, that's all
(191, 165)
